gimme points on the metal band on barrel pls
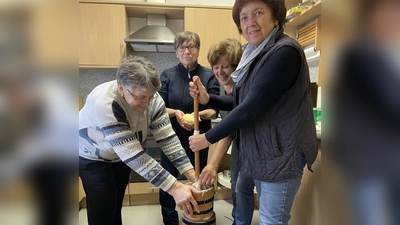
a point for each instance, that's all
(203, 223)
(205, 201)
(203, 212)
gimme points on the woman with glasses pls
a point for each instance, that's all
(175, 83)
(112, 125)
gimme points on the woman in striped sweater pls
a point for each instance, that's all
(112, 125)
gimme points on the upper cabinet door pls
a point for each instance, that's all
(211, 25)
(102, 30)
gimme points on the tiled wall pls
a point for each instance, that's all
(90, 78)
(313, 67)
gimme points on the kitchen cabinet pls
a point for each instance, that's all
(211, 25)
(312, 13)
(102, 30)
(141, 193)
(105, 24)
(307, 15)
(242, 40)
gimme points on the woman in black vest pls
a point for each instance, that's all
(271, 106)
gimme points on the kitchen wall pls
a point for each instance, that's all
(90, 78)
(313, 67)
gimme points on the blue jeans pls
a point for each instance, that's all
(242, 192)
(276, 197)
(276, 200)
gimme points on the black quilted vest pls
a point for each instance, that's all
(268, 145)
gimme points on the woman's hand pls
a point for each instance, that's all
(198, 142)
(197, 88)
(179, 117)
(183, 197)
(207, 176)
(190, 175)
(199, 116)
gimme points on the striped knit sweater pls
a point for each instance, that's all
(110, 131)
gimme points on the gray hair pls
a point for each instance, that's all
(186, 36)
(138, 72)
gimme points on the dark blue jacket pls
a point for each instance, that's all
(175, 92)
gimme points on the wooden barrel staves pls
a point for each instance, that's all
(206, 216)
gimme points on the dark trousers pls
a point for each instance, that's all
(167, 202)
(104, 184)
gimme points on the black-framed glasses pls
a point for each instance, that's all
(142, 99)
(191, 48)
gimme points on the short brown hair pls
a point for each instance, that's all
(278, 10)
(230, 47)
(186, 36)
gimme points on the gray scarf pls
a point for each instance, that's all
(249, 54)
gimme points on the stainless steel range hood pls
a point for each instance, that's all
(154, 37)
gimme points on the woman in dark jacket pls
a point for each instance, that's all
(174, 86)
(271, 106)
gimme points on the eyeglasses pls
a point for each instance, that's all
(142, 99)
(191, 48)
